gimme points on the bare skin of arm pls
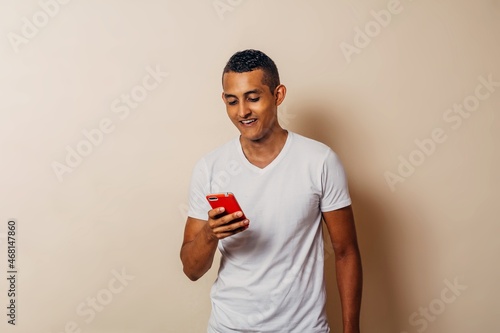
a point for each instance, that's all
(201, 239)
(342, 231)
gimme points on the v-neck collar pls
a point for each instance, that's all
(273, 163)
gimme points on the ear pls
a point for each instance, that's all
(223, 98)
(279, 94)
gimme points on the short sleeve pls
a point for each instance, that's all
(198, 189)
(335, 192)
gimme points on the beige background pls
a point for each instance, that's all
(122, 208)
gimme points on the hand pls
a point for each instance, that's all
(221, 227)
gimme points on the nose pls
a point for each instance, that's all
(243, 110)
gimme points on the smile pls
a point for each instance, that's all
(248, 122)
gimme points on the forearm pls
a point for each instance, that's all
(350, 282)
(197, 255)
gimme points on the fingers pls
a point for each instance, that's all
(215, 216)
(230, 230)
(214, 212)
(225, 226)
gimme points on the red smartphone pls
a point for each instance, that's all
(228, 201)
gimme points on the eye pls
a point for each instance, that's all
(256, 99)
(233, 102)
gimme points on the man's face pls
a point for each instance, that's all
(250, 104)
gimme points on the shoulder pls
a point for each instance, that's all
(310, 146)
(315, 153)
(221, 153)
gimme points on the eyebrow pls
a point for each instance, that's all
(255, 91)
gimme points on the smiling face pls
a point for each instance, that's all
(250, 104)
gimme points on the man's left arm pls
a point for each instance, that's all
(340, 224)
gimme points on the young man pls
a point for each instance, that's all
(271, 272)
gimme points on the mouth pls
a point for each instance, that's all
(248, 122)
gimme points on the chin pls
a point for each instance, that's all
(253, 136)
(249, 137)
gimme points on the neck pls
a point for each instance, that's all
(263, 151)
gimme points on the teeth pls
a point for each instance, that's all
(246, 122)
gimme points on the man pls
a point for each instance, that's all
(271, 272)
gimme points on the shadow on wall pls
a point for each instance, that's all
(380, 306)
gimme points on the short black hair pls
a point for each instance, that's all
(249, 60)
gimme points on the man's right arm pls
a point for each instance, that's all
(201, 239)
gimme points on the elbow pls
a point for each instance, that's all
(348, 253)
(191, 276)
(193, 268)
(185, 268)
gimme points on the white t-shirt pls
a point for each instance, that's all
(271, 275)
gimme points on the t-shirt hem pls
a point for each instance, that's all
(338, 205)
(198, 217)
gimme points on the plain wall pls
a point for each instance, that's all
(423, 178)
